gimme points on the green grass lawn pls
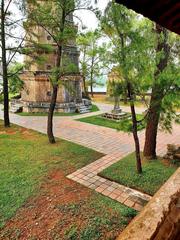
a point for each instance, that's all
(155, 173)
(124, 125)
(61, 114)
(26, 159)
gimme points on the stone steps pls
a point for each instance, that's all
(84, 109)
(16, 109)
(15, 106)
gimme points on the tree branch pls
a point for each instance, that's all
(13, 74)
(16, 50)
(6, 10)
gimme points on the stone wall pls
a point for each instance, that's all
(173, 153)
(160, 218)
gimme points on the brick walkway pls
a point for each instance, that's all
(88, 177)
(108, 141)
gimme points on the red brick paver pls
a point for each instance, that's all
(88, 177)
(114, 144)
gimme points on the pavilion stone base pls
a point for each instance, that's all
(117, 110)
(33, 107)
(17, 105)
(116, 114)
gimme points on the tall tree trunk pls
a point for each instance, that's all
(53, 99)
(152, 124)
(135, 134)
(133, 112)
(116, 102)
(50, 114)
(84, 73)
(55, 84)
(92, 93)
(125, 99)
(4, 66)
(84, 86)
(91, 76)
(157, 94)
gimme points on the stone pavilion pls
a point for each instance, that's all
(36, 93)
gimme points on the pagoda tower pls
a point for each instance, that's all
(36, 93)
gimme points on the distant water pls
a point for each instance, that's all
(99, 89)
(102, 86)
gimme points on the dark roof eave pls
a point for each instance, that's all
(164, 12)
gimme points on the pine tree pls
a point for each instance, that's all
(118, 24)
(56, 18)
(165, 85)
(92, 61)
(7, 37)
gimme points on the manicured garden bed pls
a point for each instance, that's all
(123, 125)
(41, 202)
(155, 173)
(61, 114)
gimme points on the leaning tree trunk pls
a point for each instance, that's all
(4, 66)
(157, 95)
(135, 134)
(152, 124)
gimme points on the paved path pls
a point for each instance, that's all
(88, 176)
(105, 140)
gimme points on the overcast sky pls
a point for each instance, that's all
(88, 18)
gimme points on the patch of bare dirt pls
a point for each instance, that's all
(61, 211)
(8, 131)
(28, 134)
(41, 215)
(2, 132)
